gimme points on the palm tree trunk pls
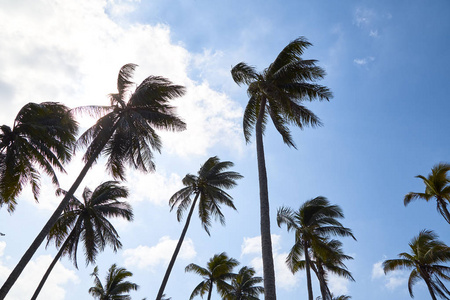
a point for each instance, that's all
(308, 272)
(177, 250)
(50, 268)
(46, 229)
(324, 290)
(266, 241)
(210, 290)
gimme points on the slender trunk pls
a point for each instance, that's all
(50, 268)
(266, 241)
(177, 250)
(210, 290)
(308, 272)
(54, 217)
(320, 272)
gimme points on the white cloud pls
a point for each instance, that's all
(144, 256)
(393, 279)
(29, 279)
(373, 33)
(285, 279)
(338, 284)
(363, 61)
(363, 16)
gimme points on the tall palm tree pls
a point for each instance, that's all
(126, 133)
(208, 189)
(218, 269)
(278, 93)
(437, 185)
(42, 137)
(115, 287)
(312, 224)
(244, 286)
(424, 260)
(88, 221)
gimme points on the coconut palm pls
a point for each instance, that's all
(115, 287)
(436, 186)
(312, 224)
(244, 286)
(42, 137)
(88, 221)
(278, 93)
(425, 259)
(208, 189)
(126, 134)
(218, 270)
(327, 257)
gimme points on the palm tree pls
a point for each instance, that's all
(42, 137)
(88, 221)
(244, 286)
(208, 189)
(425, 258)
(328, 258)
(312, 224)
(115, 287)
(125, 133)
(278, 92)
(436, 186)
(218, 269)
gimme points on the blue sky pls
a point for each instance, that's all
(387, 64)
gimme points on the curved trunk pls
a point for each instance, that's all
(54, 217)
(266, 241)
(320, 273)
(177, 250)
(50, 268)
(308, 272)
(430, 289)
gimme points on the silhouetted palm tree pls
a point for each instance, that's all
(42, 137)
(115, 288)
(244, 286)
(208, 189)
(312, 224)
(278, 93)
(125, 133)
(219, 269)
(424, 260)
(437, 185)
(88, 221)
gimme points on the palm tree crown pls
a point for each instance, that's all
(312, 224)
(219, 269)
(436, 186)
(279, 93)
(244, 285)
(424, 260)
(87, 221)
(42, 137)
(208, 189)
(115, 287)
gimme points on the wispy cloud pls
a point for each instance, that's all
(392, 280)
(363, 61)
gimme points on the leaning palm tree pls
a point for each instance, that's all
(87, 221)
(208, 189)
(437, 185)
(425, 259)
(125, 133)
(218, 270)
(312, 224)
(244, 286)
(115, 287)
(42, 137)
(278, 93)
